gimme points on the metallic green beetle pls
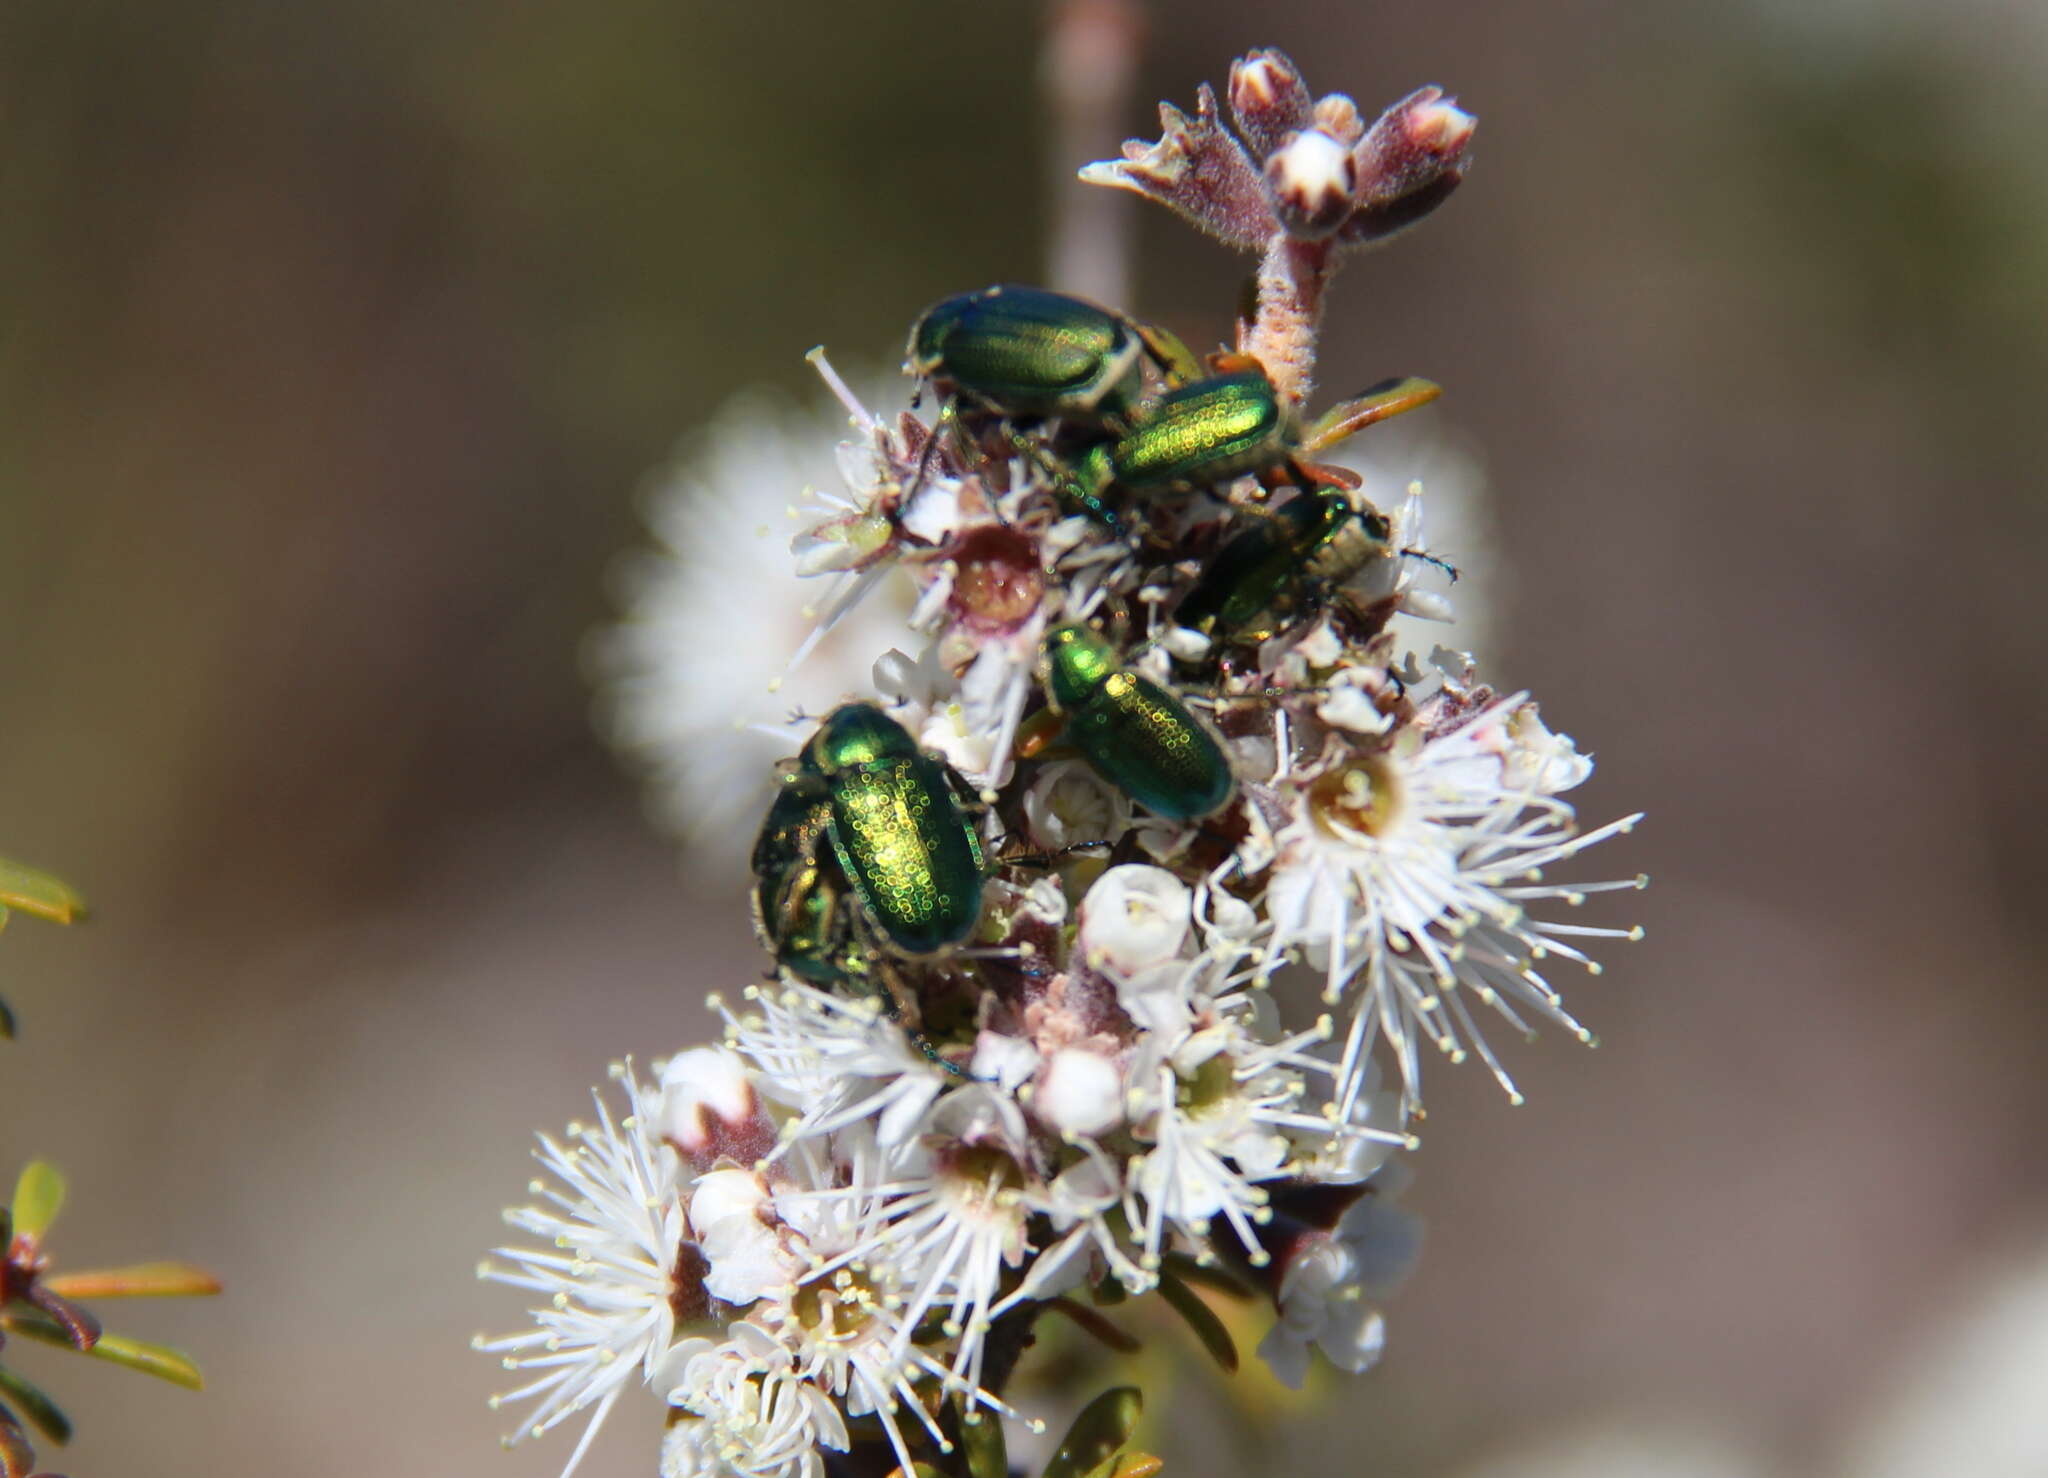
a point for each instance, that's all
(894, 821)
(800, 897)
(1026, 352)
(1205, 433)
(1284, 566)
(1137, 735)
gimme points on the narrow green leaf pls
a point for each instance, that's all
(1137, 1465)
(24, 1396)
(6, 1016)
(1209, 1329)
(142, 1280)
(1098, 1433)
(38, 1197)
(161, 1361)
(32, 890)
(981, 1438)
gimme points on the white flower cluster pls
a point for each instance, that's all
(979, 1079)
(818, 1222)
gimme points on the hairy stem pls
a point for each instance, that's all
(1282, 334)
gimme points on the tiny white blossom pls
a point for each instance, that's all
(750, 1414)
(1407, 868)
(610, 1224)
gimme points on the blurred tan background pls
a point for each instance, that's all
(334, 340)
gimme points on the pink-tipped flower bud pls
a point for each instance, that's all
(1310, 182)
(710, 1111)
(1268, 100)
(1411, 159)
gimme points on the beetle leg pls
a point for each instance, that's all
(1430, 559)
(898, 994)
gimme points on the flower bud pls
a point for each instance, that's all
(1268, 100)
(1135, 917)
(1408, 163)
(1080, 1092)
(1310, 182)
(709, 1110)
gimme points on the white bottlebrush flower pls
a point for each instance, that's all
(684, 677)
(953, 1207)
(610, 1225)
(743, 1410)
(1222, 1106)
(1406, 869)
(835, 1061)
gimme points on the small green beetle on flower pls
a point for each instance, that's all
(866, 816)
(1283, 568)
(1234, 422)
(1029, 353)
(1133, 732)
(800, 896)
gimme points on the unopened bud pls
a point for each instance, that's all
(709, 1110)
(1080, 1092)
(1268, 100)
(1310, 182)
(1414, 144)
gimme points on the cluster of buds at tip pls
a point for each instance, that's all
(1298, 166)
(1302, 179)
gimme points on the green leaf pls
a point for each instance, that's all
(6, 1016)
(161, 1361)
(142, 1280)
(38, 1197)
(1209, 1329)
(25, 1397)
(34, 891)
(1101, 1430)
(981, 1438)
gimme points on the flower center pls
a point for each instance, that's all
(838, 1307)
(999, 584)
(1213, 1082)
(1360, 798)
(980, 1179)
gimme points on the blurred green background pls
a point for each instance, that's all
(334, 341)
